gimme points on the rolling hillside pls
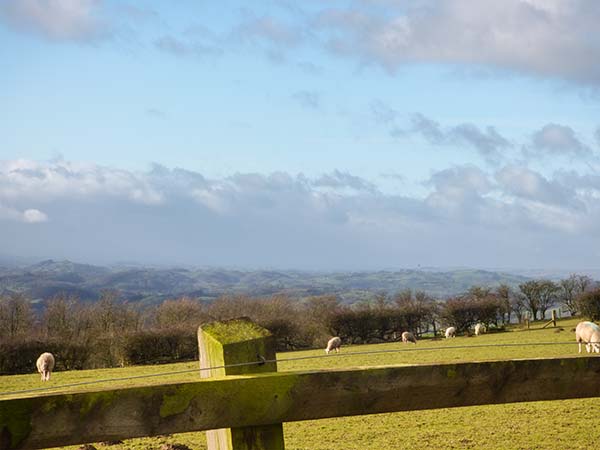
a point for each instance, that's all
(152, 285)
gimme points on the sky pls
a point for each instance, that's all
(314, 135)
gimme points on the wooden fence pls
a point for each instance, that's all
(250, 402)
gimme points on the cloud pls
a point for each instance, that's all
(523, 36)
(61, 20)
(34, 216)
(523, 183)
(268, 29)
(188, 46)
(334, 220)
(342, 180)
(156, 113)
(556, 140)
(28, 216)
(488, 143)
(308, 99)
(429, 129)
(41, 181)
(383, 113)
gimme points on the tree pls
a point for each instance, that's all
(589, 304)
(583, 283)
(568, 292)
(460, 312)
(418, 310)
(517, 306)
(531, 296)
(548, 295)
(60, 317)
(180, 313)
(16, 316)
(504, 295)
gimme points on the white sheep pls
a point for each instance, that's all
(479, 329)
(450, 332)
(589, 333)
(407, 336)
(333, 344)
(45, 364)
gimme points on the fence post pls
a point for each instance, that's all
(232, 342)
(554, 318)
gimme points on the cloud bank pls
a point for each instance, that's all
(510, 216)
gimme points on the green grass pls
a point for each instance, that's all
(568, 424)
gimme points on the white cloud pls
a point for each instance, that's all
(557, 140)
(543, 38)
(34, 216)
(75, 20)
(283, 219)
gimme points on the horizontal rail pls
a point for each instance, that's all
(250, 400)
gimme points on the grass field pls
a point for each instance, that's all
(568, 424)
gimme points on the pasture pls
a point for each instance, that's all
(544, 425)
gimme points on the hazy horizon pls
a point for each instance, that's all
(553, 272)
(352, 135)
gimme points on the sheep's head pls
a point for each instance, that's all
(327, 351)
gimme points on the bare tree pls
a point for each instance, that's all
(180, 313)
(531, 296)
(548, 295)
(504, 294)
(59, 320)
(16, 316)
(518, 306)
(584, 283)
(569, 290)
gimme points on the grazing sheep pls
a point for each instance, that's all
(45, 364)
(407, 336)
(333, 344)
(450, 332)
(479, 329)
(589, 333)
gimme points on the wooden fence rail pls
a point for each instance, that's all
(256, 400)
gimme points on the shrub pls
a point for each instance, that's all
(20, 356)
(160, 346)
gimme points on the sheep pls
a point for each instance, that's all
(407, 336)
(45, 364)
(479, 329)
(333, 344)
(450, 332)
(589, 333)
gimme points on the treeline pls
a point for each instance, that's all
(110, 333)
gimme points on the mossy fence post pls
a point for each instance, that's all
(233, 342)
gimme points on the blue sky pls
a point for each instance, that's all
(358, 134)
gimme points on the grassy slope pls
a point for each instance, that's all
(543, 425)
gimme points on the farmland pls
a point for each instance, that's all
(558, 424)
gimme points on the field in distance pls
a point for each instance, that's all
(537, 425)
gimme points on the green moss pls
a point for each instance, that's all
(451, 373)
(15, 418)
(236, 330)
(251, 401)
(178, 401)
(94, 400)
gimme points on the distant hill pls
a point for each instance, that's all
(153, 285)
